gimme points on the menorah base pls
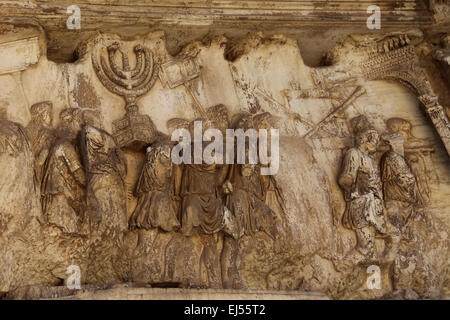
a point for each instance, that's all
(134, 131)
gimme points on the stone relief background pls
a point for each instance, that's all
(253, 74)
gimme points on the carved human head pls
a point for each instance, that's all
(94, 138)
(366, 136)
(359, 124)
(243, 121)
(98, 141)
(42, 112)
(395, 141)
(205, 125)
(158, 149)
(219, 116)
(71, 118)
(177, 123)
(263, 121)
(158, 156)
(92, 117)
(400, 125)
(367, 140)
(247, 169)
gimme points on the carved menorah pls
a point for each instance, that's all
(124, 81)
(134, 130)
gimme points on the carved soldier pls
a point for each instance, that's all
(64, 180)
(247, 193)
(400, 192)
(13, 138)
(40, 134)
(156, 207)
(198, 186)
(417, 161)
(218, 114)
(106, 170)
(248, 189)
(274, 198)
(246, 199)
(359, 178)
(19, 198)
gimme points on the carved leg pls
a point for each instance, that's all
(190, 218)
(393, 228)
(210, 259)
(230, 273)
(365, 242)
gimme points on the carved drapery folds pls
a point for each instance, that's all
(110, 198)
(386, 188)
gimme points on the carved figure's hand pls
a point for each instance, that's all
(354, 195)
(227, 187)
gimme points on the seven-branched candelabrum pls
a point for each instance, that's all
(134, 130)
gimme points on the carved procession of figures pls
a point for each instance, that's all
(384, 197)
(79, 171)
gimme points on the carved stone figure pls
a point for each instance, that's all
(198, 186)
(247, 191)
(64, 180)
(218, 114)
(274, 198)
(19, 204)
(400, 192)
(156, 207)
(246, 195)
(19, 196)
(201, 206)
(103, 190)
(360, 180)
(415, 154)
(246, 199)
(40, 134)
(399, 184)
(106, 170)
(14, 139)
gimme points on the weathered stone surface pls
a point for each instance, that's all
(87, 179)
(135, 292)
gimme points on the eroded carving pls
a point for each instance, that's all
(134, 130)
(41, 135)
(399, 187)
(202, 225)
(155, 189)
(106, 170)
(64, 178)
(360, 180)
(201, 205)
